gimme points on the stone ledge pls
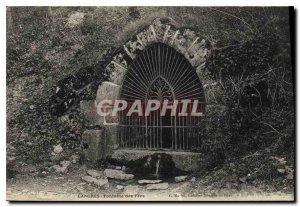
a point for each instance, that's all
(185, 161)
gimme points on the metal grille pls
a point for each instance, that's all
(160, 72)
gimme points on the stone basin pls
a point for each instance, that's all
(185, 161)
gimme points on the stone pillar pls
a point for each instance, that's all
(100, 139)
(93, 145)
(88, 110)
(111, 137)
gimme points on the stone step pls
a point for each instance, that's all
(117, 174)
(149, 181)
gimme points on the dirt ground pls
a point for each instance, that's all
(70, 187)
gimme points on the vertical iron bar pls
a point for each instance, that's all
(139, 131)
(180, 129)
(154, 129)
(158, 126)
(130, 131)
(137, 136)
(146, 129)
(120, 130)
(161, 130)
(200, 124)
(189, 125)
(175, 129)
(172, 134)
(126, 131)
(150, 129)
(193, 131)
(197, 124)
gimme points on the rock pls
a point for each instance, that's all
(57, 149)
(94, 173)
(75, 158)
(281, 170)
(193, 179)
(125, 177)
(149, 181)
(88, 179)
(101, 182)
(180, 179)
(123, 168)
(282, 161)
(98, 182)
(25, 191)
(118, 168)
(243, 179)
(117, 174)
(65, 163)
(80, 189)
(231, 165)
(60, 169)
(290, 176)
(75, 19)
(120, 187)
(57, 157)
(159, 186)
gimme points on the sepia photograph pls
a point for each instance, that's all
(150, 103)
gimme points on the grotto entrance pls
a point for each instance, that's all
(161, 62)
(161, 73)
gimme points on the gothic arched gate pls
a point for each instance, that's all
(160, 72)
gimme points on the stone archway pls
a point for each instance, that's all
(195, 50)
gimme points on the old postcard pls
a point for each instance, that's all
(150, 104)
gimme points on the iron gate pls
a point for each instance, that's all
(160, 72)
